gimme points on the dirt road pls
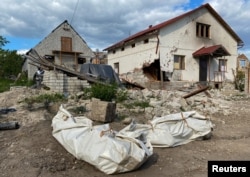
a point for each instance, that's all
(31, 151)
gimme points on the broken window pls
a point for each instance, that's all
(222, 65)
(133, 45)
(179, 62)
(202, 30)
(81, 60)
(242, 63)
(116, 67)
(122, 49)
(66, 44)
(145, 41)
(113, 51)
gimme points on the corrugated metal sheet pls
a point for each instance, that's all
(216, 50)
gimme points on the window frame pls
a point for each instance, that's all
(222, 63)
(117, 67)
(181, 62)
(203, 30)
(244, 61)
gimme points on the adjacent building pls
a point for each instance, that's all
(63, 46)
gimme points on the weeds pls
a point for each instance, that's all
(45, 98)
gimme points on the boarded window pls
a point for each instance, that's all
(222, 65)
(66, 44)
(202, 30)
(179, 62)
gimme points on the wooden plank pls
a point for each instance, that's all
(196, 92)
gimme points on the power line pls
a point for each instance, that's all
(74, 12)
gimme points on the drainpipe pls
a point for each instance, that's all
(156, 51)
(157, 45)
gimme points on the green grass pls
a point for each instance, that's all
(5, 84)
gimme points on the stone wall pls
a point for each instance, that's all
(60, 82)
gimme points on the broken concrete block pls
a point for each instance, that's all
(103, 111)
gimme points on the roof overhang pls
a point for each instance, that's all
(215, 51)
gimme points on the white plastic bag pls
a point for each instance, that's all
(99, 145)
(171, 130)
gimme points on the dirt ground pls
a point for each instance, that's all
(31, 150)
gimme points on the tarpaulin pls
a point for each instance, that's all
(101, 72)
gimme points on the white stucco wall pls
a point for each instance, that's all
(179, 38)
(132, 58)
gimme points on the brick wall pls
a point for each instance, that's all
(61, 83)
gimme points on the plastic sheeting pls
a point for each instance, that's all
(99, 145)
(171, 130)
(101, 72)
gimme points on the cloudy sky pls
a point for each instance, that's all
(102, 23)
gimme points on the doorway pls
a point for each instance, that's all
(203, 62)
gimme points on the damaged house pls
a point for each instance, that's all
(63, 46)
(197, 46)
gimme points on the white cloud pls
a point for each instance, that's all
(104, 22)
(22, 51)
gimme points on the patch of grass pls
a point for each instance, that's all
(5, 84)
(23, 80)
(121, 96)
(45, 98)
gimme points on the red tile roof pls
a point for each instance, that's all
(166, 23)
(216, 50)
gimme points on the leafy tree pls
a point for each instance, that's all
(3, 41)
(10, 61)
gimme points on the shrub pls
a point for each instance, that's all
(240, 80)
(102, 92)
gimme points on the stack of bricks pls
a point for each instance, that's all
(61, 83)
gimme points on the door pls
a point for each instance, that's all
(203, 68)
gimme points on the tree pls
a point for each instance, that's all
(10, 61)
(3, 42)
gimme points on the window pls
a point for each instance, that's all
(222, 65)
(145, 41)
(202, 30)
(116, 67)
(66, 44)
(122, 49)
(179, 62)
(81, 60)
(113, 51)
(133, 45)
(242, 63)
(50, 58)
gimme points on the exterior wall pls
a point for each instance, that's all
(53, 42)
(135, 57)
(180, 39)
(59, 82)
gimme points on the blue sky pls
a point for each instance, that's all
(105, 22)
